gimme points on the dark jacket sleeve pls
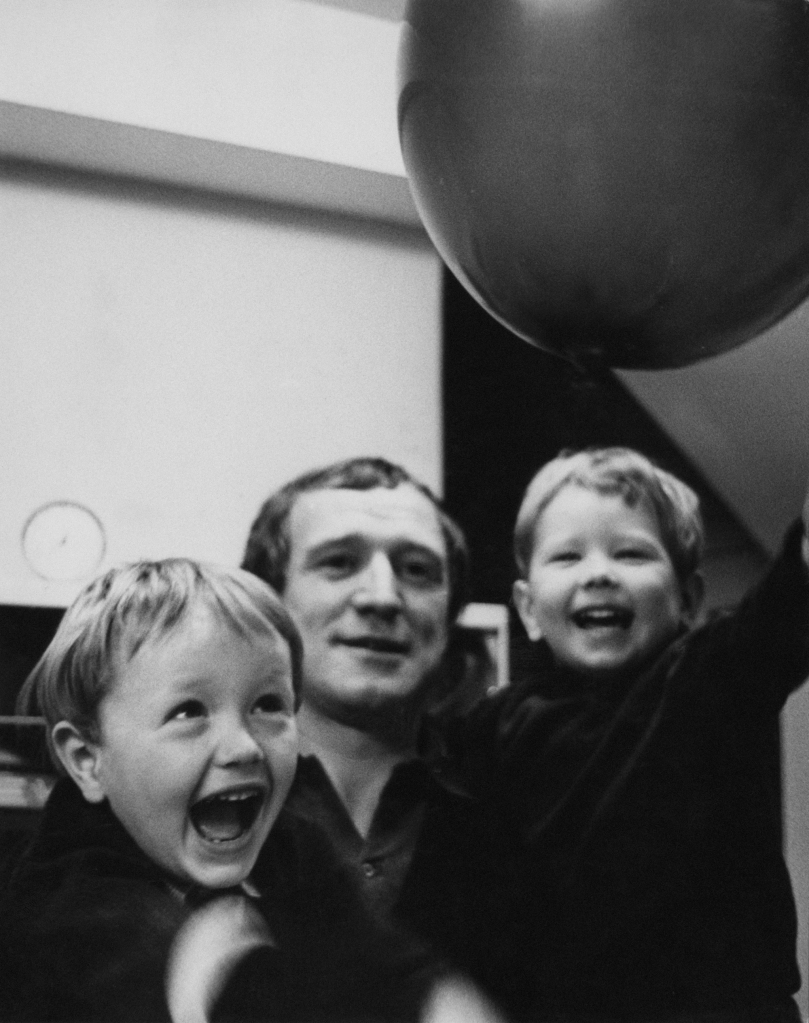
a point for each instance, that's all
(92, 948)
(755, 655)
(345, 982)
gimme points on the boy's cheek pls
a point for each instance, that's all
(282, 754)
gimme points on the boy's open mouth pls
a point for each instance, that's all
(603, 618)
(226, 816)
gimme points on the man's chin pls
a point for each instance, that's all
(380, 662)
(374, 706)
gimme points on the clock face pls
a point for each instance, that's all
(63, 541)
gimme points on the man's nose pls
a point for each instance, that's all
(378, 586)
(236, 744)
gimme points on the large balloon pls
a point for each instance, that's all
(623, 182)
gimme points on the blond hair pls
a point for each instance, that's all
(630, 475)
(121, 610)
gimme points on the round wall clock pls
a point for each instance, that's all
(63, 540)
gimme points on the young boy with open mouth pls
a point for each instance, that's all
(169, 694)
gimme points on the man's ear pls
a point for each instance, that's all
(693, 593)
(80, 758)
(524, 603)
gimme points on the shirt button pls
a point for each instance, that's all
(369, 869)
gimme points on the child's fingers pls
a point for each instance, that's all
(456, 1000)
(205, 951)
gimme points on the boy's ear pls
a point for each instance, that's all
(693, 591)
(80, 758)
(524, 603)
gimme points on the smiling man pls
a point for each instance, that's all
(368, 585)
(373, 572)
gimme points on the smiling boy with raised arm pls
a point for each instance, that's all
(638, 755)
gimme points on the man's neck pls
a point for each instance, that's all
(358, 762)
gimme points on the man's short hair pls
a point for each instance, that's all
(120, 611)
(630, 475)
(268, 545)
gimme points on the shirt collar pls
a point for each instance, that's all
(193, 895)
(433, 773)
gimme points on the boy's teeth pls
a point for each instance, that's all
(602, 616)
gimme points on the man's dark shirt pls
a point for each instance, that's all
(437, 863)
(380, 861)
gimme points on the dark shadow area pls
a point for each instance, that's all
(24, 763)
(24, 634)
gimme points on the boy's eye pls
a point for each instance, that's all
(186, 710)
(564, 557)
(272, 703)
(632, 554)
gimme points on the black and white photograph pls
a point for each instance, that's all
(404, 511)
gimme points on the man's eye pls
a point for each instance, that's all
(421, 571)
(338, 564)
(186, 710)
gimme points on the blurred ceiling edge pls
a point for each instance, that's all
(57, 139)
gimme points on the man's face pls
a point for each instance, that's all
(368, 587)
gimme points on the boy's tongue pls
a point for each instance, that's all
(225, 818)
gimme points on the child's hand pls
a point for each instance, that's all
(456, 1000)
(205, 951)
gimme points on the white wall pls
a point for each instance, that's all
(168, 361)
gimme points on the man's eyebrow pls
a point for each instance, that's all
(333, 542)
(401, 544)
(407, 545)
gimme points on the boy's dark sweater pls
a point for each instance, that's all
(89, 921)
(651, 805)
